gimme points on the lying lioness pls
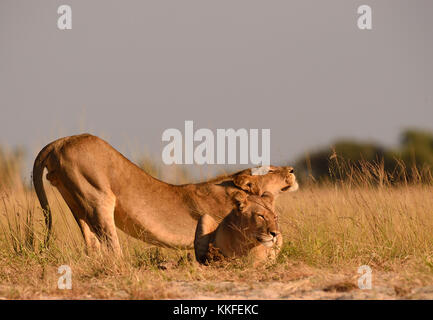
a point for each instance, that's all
(250, 229)
(104, 190)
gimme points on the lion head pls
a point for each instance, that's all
(275, 180)
(255, 218)
(250, 228)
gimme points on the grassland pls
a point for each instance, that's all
(329, 230)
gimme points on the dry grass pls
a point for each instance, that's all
(378, 226)
(329, 231)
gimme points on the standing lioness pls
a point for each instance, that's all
(249, 229)
(103, 189)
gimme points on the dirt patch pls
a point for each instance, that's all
(340, 287)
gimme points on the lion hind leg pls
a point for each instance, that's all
(81, 217)
(104, 224)
(95, 219)
(92, 242)
(204, 235)
(98, 228)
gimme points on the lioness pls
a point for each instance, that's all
(250, 228)
(103, 189)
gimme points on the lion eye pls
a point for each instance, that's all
(261, 216)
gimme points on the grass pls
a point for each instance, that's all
(333, 226)
(329, 230)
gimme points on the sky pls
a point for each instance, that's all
(128, 70)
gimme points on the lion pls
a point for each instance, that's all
(249, 229)
(104, 190)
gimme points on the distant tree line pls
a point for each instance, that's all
(412, 159)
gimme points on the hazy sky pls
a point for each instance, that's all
(128, 70)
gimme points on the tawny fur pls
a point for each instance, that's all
(104, 190)
(250, 229)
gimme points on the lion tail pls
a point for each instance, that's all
(37, 176)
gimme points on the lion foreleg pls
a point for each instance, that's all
(204, 235)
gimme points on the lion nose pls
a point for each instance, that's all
(274, 234)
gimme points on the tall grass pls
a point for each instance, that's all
(11, 165)
(361, 216)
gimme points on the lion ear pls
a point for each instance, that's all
(268, 197)
(246, 183)
(241, 182)
(240, 200)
